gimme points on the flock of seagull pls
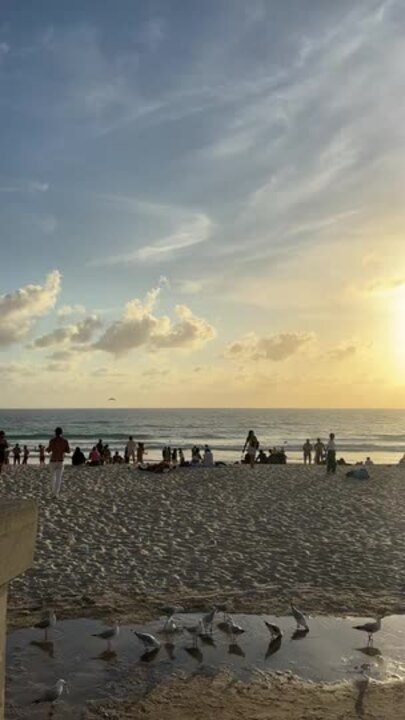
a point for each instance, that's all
(203, 631)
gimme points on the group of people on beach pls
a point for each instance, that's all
(324, 453)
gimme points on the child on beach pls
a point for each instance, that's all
(131, 446)
(140, 452)
(331, 454)
(41, 451)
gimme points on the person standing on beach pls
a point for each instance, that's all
(140, 452)
(307, 450)
(131, 445)
(26, 454)
(58, 447)
(319, 448)
(252, 446)
(41, 451)
(331, 454)
(3, 449)
(16, 454)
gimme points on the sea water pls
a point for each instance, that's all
(379, 434)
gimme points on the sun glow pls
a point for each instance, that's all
(399, 323)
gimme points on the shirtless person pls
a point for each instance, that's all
(58, 446)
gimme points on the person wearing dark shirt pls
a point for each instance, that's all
(58, 446)
(3, 449)
(78, 457)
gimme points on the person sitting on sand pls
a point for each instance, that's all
(26, 454)
(117, 459)
(208, 460)
(16, 454)
(368, 461)
(140, 452)
(252, 446)
(307, 451)
(319, 448)
(78, 457)
(94, 457)
(196, 458)
(58, 446)
(402, 460)
(262, 458)
(331, 454)
(161, 467)
(3, 449)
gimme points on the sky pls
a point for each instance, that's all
(202, 203)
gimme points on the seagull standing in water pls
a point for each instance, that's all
(109, 634)
(274, 630)
(170, 611)
(149, 641)
(300, 618)
(47, 623)
(370, 628)
(53, 694)
(208, 619)
(233, 628)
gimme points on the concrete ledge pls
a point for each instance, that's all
(18, 527)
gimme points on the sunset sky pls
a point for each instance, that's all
(202, 203)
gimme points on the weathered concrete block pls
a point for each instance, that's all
(18, 527)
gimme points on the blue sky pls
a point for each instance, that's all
(240, 159)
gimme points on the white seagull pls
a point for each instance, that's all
(370, 628)
(108, 634)
(53, 694)
(300, 618)
(149, 641)
(234, 629)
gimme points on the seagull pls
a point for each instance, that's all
(149, 641)
(170, 611)
(52, 694)
(233, 628)
(47, 623)
(370, 628)
(274, 630)
(195, 630)
(208, 619)
(299, 617)
(109, 634)
(170, 626)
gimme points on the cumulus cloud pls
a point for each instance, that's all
(141, 327)
(19, 310)
(271, 347)
(66, 310)
(80, 333)
(342, 352)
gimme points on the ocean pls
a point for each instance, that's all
(379, 434)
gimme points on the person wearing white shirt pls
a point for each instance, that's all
(331, 454)
(208, 460)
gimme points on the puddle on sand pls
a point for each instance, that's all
(331, 651)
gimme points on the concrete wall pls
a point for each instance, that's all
(18, 527)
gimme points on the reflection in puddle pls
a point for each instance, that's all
(327, 652)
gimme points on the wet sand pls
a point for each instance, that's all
(119, 542)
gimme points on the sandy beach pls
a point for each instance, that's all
(119, 542)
